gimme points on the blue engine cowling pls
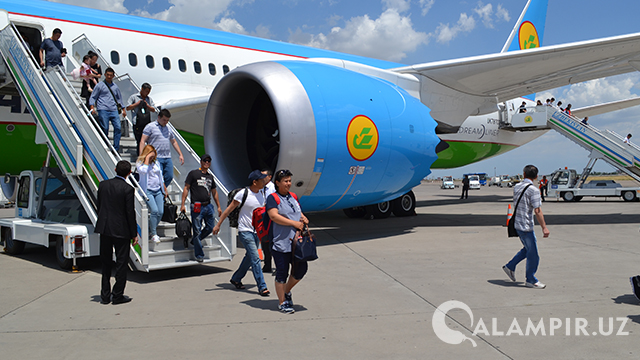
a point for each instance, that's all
(348, 138)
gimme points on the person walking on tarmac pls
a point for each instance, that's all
(465, 188)
(543, 185)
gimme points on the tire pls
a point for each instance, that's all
(568, 196)
(629, 195)
(577, 198)
(11, 246)
(355, 212)
(63, 262)
(405, 205)
(379, 211)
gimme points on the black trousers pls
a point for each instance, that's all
(465, 192)
(266, 250)
(107, 243)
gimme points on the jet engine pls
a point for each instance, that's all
(349, 139)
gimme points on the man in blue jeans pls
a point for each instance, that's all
(530, 203)
(106, 98)
(202, 187)
(248, 199)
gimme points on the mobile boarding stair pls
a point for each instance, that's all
(85, 156)
(605, 145)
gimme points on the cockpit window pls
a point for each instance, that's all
(133, 59)
(115, 57)
(150, 62)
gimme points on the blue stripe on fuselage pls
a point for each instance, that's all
(64, 12)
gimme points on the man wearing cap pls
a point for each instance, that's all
(201, 185)
(247, 234)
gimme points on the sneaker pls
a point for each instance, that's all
(510, 273)
(635, 285)
(199, 259)
(286, 308)
(537, 285)
(288, 299)
(155, 239)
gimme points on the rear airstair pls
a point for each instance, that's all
(605, 145)
(85, 154)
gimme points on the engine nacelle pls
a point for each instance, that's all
(349, 139)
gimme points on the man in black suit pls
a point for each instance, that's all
(117, 226)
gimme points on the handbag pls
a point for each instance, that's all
(511, 227)
(183, 228)
(304, 245)
(170, 211)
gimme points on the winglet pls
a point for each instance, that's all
(529, 28)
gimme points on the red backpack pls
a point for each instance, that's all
(262, 222)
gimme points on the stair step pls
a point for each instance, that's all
(187, 263)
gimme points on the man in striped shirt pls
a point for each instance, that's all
(530, 203)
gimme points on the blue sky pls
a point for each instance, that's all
(418, 31)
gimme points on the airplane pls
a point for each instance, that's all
(354, 131)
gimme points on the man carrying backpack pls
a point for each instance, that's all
(202, 187)
(141, 106)
(248, 199)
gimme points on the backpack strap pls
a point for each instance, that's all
(294, 195)
(276, 198)
(244, 198)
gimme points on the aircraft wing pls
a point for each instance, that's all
(185, 110)
(605, 108)
(455, 89)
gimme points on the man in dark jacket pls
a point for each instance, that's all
(117, 226)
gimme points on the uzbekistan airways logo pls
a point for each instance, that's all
(528, 119)
(528, 36)
(362, 138)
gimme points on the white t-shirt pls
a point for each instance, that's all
(254, 200)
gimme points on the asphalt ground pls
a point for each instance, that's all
(372, 294)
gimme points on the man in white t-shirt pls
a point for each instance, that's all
(247, 234)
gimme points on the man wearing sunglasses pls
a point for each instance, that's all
(202, 187)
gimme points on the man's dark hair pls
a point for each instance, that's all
(91, 53)
(146, 86)
(110, 70)
(164, 113)
(57, 31)
(123, 168)
(269, 172)
(530, 172)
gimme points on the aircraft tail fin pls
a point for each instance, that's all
(529, 28)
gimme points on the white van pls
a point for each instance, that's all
(447, 183)
(474, 182)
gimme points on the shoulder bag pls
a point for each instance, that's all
(304, 245)
(511, 227)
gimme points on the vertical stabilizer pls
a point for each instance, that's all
(529, 29)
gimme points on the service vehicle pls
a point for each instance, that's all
(568, 185)
(505, 181)
(447, 183)
(495, 181)
(474, 182)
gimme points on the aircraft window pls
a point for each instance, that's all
(225, 69)
(166, 63)
(196, 67)
(133, 59)
(115, 57)
(182, 65)
(150, 62)
(212, 69)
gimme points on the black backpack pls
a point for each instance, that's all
(143, 117)
(233, 216)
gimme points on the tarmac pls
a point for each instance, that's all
(372, 294)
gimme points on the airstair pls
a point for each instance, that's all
(605, 145)
(85, 154)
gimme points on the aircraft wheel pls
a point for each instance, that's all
(355, 212)
(11, 246)
(405, 205)
(629, 195)
(63, 262)
(568, 196)
(379, 211)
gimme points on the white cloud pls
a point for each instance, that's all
(109, 5)
(388, 37)
(485, 13)
(398, 5)
(502, 14)
(426, 5)
(446, 33)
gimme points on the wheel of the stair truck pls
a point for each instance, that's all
(355, 212)
(11, 246)
(577, 198)
(62, 261)
(568, 196)
(379, 211)
(405, 205)
(629, 195)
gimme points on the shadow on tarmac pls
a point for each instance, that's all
(269, 304)
(506, 283)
